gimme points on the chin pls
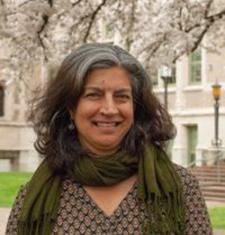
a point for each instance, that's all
(109, 145)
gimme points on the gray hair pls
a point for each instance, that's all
(50, 112)
(102, 55)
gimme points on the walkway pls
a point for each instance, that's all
(4, 213)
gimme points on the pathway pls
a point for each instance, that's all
(4, 213)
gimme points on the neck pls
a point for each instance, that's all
(98, 152)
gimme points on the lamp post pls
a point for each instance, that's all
(165, 74)
(216, 92)
(1, 100)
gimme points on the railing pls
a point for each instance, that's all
(216, 160)
(220, 156)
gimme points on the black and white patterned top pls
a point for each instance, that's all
(79, 214)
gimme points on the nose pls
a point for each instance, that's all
(109, 106)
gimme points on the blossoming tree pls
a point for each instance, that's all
(156, 31)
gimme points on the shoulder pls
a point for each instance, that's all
(197, 217)
(182, 171)
(68, 188)
(15, 211)
(187, 178)
(20, 196)
(191, 187)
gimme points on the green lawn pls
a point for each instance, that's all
(217, 216)
(10, 183)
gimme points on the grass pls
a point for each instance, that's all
(10, 183)
(217, 216)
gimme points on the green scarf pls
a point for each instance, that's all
(159, 187)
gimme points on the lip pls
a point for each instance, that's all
(106, 124)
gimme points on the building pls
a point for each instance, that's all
(16, 135)
(191, 104)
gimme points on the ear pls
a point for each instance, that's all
(71, 112)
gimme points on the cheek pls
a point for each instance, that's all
(79, 115)
(84, 111)
(81, 118)
(129, 114)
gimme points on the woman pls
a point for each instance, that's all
(103, 133)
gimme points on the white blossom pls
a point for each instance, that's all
(155, 31)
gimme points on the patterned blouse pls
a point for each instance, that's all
(79, 214)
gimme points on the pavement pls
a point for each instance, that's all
(4, 214)
(211, 204)
(218, 232)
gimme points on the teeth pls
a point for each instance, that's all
(104, 124)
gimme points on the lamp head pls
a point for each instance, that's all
(165, 72)
(216, 91)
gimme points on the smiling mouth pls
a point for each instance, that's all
(106, 124)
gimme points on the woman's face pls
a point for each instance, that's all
(105, 112)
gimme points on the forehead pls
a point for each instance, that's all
(115, 76)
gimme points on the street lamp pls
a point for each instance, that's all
(216, 92)
(1, 100)
(165, 74)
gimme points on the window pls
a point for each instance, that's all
(172, 79)
(192, 132)
(2, 94)
(153, 73)
(195, 70)
(168, 74)
(169, 148)
(154, 78)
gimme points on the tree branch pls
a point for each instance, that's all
(210, 20)
(128, 37)
(45, 22)
(219, 15)
(94, 14)
(187, 30)
(132, 16)
(154, 47)
(208, 6)
(76, 3)
(196, 43)
(50, 2)
(179, 23)
(24, 3)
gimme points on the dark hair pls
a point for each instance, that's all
(50, 112)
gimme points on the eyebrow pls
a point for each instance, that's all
(96, 88)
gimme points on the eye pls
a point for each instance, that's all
(123, 97)
(92, 95)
